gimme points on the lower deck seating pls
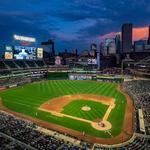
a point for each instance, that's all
(2, 65)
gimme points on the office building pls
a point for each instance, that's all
(49, 49)
(127, 38)
(118, 43)
(148, 42)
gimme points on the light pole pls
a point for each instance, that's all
(122, 64)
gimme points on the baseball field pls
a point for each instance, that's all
(94, 108)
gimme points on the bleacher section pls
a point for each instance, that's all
(40, 63)
(19, 134)
(2, 66)
(10, 64)
(14, 67)
(21, 64)
(31, 64)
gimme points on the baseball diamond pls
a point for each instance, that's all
(100, 110)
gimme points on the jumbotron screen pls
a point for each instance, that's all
(23, 52)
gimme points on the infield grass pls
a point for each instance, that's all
(74, 108)
(27, 99)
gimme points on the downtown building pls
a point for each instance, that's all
(127, 38)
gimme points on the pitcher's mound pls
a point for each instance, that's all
(86, 108)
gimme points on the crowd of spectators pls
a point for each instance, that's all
(19, 134)
(139, 90)
(10, 144)
(137, 144)
(14, 81)
(116, 71)
(16, 133)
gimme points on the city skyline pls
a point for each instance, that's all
(74, 24)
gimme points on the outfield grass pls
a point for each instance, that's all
(28, 98)
(74, 108)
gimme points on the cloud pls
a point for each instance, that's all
(11, 25)
(63, 37)
(86, 20)
(108, 35)
(139, 33)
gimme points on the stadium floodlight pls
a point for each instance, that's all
(24, 38)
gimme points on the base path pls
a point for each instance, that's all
(111, 106)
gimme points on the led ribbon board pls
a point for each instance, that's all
(23, 38)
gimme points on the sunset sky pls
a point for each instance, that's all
(72, 24)
(139, 33)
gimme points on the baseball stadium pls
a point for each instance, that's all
(73, 108)
(90, 96)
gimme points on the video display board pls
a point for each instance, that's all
(39, 53)
(23, 52)
(92, 61)
(8, 52)
(57, 60)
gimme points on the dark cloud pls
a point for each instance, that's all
(11, 25)
(117, 13)
(42, 18)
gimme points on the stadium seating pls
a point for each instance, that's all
(2, 65)
(138, 143)
(15, 81)
(21, 64)
(16, 133)
(10, 64)
(31, 64)
(40, 63)
(25, 132)
(140, 92)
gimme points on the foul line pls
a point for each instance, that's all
(64, 115)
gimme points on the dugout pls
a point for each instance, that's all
(141, 120)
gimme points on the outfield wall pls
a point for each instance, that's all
(57, 75)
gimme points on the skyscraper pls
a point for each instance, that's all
(75, 52)
(49, 49)
(127, 38)
(148, 42)
(118, 44)
(93, 50)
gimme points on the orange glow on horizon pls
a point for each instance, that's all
(139, 33)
